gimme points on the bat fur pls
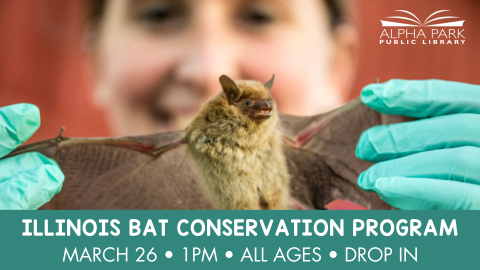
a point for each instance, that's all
(238, 150)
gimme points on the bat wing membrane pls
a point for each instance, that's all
(321, 154)
(155, 172)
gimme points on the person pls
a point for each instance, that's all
(157, 61)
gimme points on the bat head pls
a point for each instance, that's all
(252, 98)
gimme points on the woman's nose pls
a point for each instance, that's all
(209, 53)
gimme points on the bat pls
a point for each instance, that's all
(156, 172)
(238, 150)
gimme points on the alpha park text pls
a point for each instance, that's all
(434, 36)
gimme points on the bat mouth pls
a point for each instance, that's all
(263, 114)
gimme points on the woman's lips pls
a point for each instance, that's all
(179, 100)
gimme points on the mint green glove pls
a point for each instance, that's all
(29, 180)
(432, 163)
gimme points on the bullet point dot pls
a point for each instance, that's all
(333, 254)
(168, 254)
(229, 254)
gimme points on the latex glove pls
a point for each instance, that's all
(432, 163)
(29, 180)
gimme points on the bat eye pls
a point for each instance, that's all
(247, 102)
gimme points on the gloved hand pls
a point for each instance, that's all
(29, 180)
(432, 163)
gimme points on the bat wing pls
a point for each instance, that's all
(321, 154)
(155, 171)
(143, 172)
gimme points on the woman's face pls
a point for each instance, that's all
(157, 61)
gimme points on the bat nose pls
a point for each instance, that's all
(267, 105)
(263, 109)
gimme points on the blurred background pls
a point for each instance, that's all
(42, 61)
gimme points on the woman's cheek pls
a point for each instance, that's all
(133, 68)
(295, 71)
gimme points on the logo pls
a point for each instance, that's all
(443, 30)
(419, 23)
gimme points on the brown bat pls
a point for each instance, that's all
(238, 150)
(156, 172)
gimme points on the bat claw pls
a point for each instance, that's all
(59, 137)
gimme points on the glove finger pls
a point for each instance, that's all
(428, 194)
(31, 189)
(458, 164)
(422, 98)
(17, 123)
(12, 166)
(397, 140)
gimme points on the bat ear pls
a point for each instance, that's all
(269, 84)
(231, 90)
